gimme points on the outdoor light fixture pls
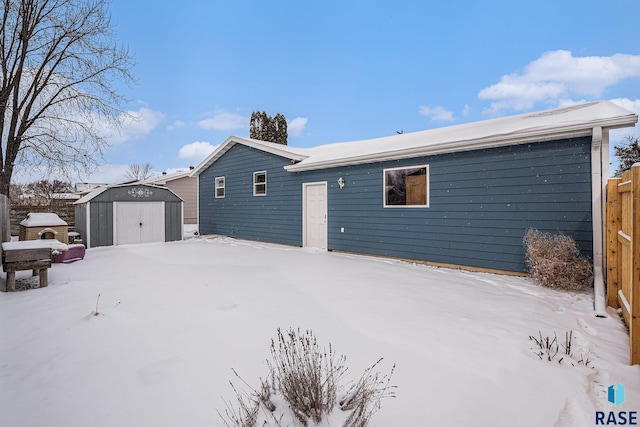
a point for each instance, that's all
(341, 182)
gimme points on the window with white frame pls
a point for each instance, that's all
(260, 183)
(220, 187)
(406, 187)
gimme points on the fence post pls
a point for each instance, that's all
(5, 218)
(613, 255)
(634, 297)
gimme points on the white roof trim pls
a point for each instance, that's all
(575, 121)
(90, 195)
(293, 153)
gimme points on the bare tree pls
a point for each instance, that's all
(45, 190)
(59, 62)
(137, 172)
(38, 193)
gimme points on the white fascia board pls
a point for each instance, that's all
(442, 148)
(297, 154)
(91, 195)
(500, 140)
(222, 148)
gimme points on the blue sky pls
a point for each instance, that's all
(350, 70)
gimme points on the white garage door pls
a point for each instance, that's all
(138, 222)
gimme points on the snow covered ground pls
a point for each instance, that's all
(175, 318)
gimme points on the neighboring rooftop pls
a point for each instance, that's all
(164, 177)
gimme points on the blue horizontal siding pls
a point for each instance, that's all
(481, 203)
(276, 217)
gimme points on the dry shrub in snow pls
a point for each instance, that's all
(303, 388)
(554, 261)
(363, 398)
(306, 376)
(547, 348)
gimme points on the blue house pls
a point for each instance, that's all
(463, 195)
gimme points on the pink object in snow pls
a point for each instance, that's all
(74, 253)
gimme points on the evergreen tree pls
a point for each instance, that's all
(628, 153)
(266, 128)
(280, 123)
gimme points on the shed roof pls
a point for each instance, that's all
(96, 192)
(573, 121)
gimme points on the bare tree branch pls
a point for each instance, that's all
(59, 63)
(138, 172)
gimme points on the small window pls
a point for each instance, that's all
(260, 183)
(406, 187)
(220, 187)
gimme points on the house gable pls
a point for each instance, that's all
(275, 217)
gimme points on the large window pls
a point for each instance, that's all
(406, 187)
(260, 183)
(220, 187)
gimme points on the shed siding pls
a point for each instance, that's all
(101, 217)
(481, 203)
(101, 213)
(172, 221)
(81, 221)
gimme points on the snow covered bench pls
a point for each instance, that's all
(38, 260)
(28, 255)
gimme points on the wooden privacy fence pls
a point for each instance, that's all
(623, 252)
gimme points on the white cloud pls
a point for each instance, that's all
(467, 110)
(296, 126)
(439, 114)
(176, 125)
(107, 174)
(557, 76)
(222, 120)
(617, 135)
(135, 124)
(196, 151)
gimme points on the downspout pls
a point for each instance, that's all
(599, 175)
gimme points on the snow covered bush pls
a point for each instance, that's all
(303, 388)
(554, 261)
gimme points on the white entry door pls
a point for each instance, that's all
(315, 215)
(136, 222)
